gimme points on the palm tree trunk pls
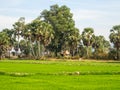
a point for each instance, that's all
(18, 45)
(87, 52)
(31, 49)
(56, 53)
(38, 42)
(43, 49)
(9, 53)
(118, 53)
(0, 57)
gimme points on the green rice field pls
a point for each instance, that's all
(59, 75)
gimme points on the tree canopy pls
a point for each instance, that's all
(64, 27)
(115, 39)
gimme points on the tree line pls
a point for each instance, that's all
(53, 33)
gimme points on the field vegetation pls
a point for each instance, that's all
(59, 75)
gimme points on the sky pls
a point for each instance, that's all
(101, 15)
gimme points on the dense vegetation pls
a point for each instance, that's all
(52, 34)
(55, 75)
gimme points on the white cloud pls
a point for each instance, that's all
(9, 16)
(95, 18)
(8, 21)
(17, 11)
(87, 14)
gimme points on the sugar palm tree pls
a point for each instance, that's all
(26, 34)
(18, 27)
(88, 40)
(42, 34)
(4, 43)
(48, 33)
(101, 47)
(37, 35)
(11, 39)
(73, 40)
(115, 39)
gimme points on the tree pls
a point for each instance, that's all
(63, 24)
(11, 39)
(101, 47)
(73, 41)
(48, 35)
(29, 40)
(115, 39)
(25, 48)
(40, 33)
(113, 54)
(4, 43)
(88, 39)
(18, 28)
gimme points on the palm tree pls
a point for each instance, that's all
(18, 27)
(37, 35)
(11, 39)
(101, 47)
(42, 34)
(4, 43)
(48, 34)
(73, 40)
(26, 34)
(88, 40)
(115, 39)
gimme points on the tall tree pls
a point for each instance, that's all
(101, 47)
(18, 28)
(29, 40)
(25, 48)
(115, 39)
(88, 39)
(11, 39)
(4, 43)
(41, 34)
(61, 20)
(73, 41)
(48, 35)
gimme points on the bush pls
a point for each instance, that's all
(75, 57)
(100, 55)
(113, 54)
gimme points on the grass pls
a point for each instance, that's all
(59, 75)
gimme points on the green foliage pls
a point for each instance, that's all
(88, 39)
(115, 39)
(4, 43)
(18, 27)
(101, 48)
(66, 35)
(25, 48)
(100, 55)
(10, 34)
(113, 54)
(88, 36)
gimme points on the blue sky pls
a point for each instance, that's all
(98, 14)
